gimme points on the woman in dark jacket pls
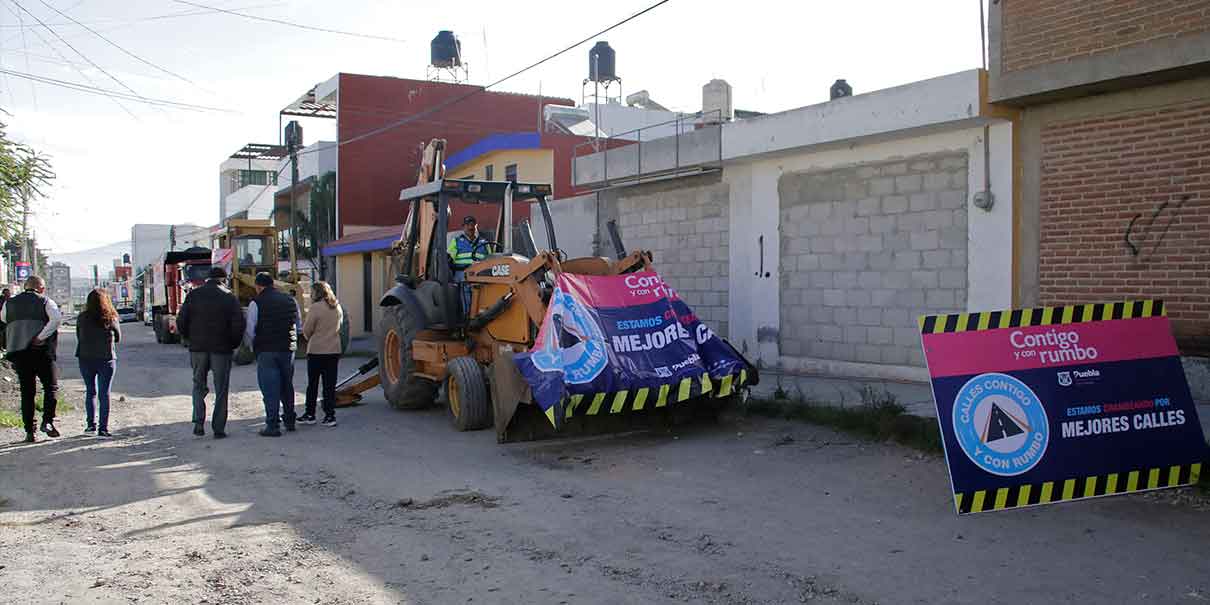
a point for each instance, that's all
(97, 334)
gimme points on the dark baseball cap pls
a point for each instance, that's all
(469, 220)
(264, 280)
(217, 273)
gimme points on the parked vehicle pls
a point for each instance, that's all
(170, 279)
(127, 314)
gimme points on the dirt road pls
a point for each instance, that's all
(394, 507)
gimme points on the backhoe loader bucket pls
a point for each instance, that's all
(615, 352)
(519, 418)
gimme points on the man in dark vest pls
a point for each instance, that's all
(213, 322)
(274, 322)
(32, 334)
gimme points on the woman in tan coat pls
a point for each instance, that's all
(322, 329)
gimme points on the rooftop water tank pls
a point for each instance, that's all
(602, 63)
(445, 50)
(841, 89)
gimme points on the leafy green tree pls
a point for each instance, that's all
(24, 176)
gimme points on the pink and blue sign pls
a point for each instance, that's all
(622, 343)
(1044, 405)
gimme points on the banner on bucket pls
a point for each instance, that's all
(619, 343)
(1044, 405)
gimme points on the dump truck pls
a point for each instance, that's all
(427, 343)
(168, 280)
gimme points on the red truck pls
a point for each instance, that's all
(172, 277)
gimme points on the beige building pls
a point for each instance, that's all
(363, 273)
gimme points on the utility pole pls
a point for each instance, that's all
(25, 223)
(171, 238)
(96, 278)
(293, 142)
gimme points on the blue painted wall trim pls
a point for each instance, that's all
(495, 142)
(370, 245)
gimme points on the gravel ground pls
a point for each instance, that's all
(394, 507)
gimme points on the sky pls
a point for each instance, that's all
(121, 163)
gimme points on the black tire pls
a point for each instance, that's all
(169, 337)
(157, 327)
(401, 387)
(466, 389)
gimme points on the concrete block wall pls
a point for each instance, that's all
(867, 248)
(685, 224)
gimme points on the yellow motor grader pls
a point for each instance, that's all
(426, 338)
(245, 247)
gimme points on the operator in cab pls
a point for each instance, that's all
(466, 249)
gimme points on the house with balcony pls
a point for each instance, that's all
(246, 179)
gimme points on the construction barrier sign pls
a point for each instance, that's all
(619, 343)
(1045, 405)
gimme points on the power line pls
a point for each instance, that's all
(116, 45)
(115, 94)
(25, 47)
(459, 99)
(291, 24)
(116, 24)
(56, 50)
(82, 55)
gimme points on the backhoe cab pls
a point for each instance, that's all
(427, 338)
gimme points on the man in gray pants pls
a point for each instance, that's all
(212, 321)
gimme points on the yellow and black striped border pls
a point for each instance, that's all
(1078, 488)
(639, 399)
(1040, 316)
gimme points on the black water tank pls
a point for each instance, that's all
(602, 63)
(841, 89)
(294, 134)
(445, 50)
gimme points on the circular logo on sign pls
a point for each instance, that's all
(573, 342)
(1000, 424)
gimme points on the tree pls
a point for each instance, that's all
(24, 176)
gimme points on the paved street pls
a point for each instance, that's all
(397, 507)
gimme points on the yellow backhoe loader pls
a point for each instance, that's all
(426, 338)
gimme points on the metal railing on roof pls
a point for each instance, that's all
(695, 147)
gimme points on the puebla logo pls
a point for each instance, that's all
(1000, 424)
(573, 342)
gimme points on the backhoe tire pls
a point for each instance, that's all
(396, 368)
(466, 389)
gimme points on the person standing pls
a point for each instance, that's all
(272, 333)
(97, 336)
(466, 249)
(212, 321)
(322, 331)
(4, 296)
(32, 333)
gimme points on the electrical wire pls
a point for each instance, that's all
(116, 45)
(32, 89)
(114, 94)
(56, 50)
(116, 24)
(290, 23)
(82, 55)
(459, 99)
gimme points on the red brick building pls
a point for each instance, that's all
(1113, 134)
(376, 160)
